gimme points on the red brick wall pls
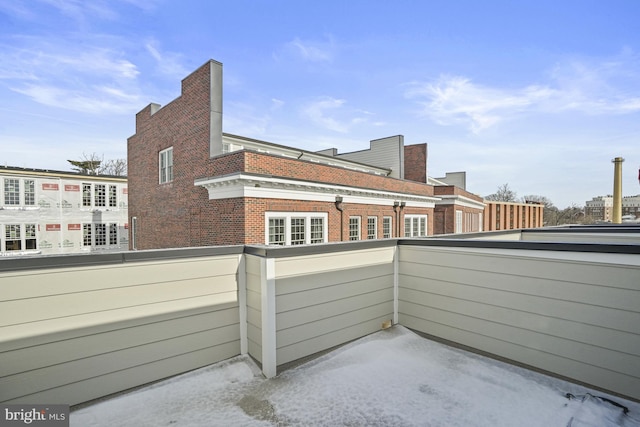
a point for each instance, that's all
(180, 214)
(176, 214)
(415, 162)
(267, 164)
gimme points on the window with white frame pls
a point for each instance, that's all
(372, 227)
(113, 196)
(11, 191)
(113, 234)
(165, 160)
(29, 192)
(100, 195)
(317, 230)
(99, 235)
(277, 235)
(86, 194)
(18, 237)
(16, 192)
(298, 228)
(295, 228)
(387, 223)
(354, 228)
(415, 225)
(458, 221)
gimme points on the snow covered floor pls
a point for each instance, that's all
(390, 378)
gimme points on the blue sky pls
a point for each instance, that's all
(537, 94)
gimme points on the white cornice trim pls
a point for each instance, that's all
(266, 187)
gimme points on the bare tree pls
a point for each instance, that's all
(88, 164)
(93, 164)
(117, 167)
(504, 194)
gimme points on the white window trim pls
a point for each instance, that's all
(160, 168)
(458, 222)
(375, 227)
(390, 219)
(359, 235)
(414, 233)
(287, 224)
(22, 229)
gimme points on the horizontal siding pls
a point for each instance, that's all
(117, 381)
(585, 237)
(254, 306)
(87, 325)
(318, 308)
(573, 314)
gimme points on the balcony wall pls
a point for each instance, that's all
(571, 311)
(76, 328)
(102, 324)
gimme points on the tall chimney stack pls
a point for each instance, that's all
(617, 190)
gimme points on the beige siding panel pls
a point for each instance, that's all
(254, 339)
(331, 293)
(466, 319)
(587, 313)
(333, 277)
(574, 314)
(618, 238)
(527, 283)
(113, 382)
(328, 299)
(308, 331)
(12, 337)
(292, 318)
(320, 263)
(45, 308)
(82, 346)
(33, 381)
(624, 384)
(254, 306)
(46, 282)
(586, 268)
(331, 339)
(525, 315)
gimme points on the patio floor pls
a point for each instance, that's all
(390, 378)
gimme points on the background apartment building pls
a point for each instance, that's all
(193, 185)
(600, 208)
(52, 212)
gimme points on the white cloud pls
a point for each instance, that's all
(311, 51)
(169, 63)
(86, 77)
(588, 87)
(334, 114)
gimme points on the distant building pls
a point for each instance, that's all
(600, 208)
(512, 215)
(46, 212)
(631, 207)
(193, 185)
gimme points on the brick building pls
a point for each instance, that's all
(512, 215)
(193, 185)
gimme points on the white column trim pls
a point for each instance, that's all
(242, 303)
(268, 295)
